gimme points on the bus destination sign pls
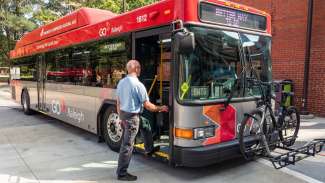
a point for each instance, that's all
(232, 17)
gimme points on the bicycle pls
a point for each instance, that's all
(261, 131)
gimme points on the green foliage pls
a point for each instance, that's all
(132, 4)
(116, 5)
(112, 5)
(14, 22)
(44, 16)
(47, 11)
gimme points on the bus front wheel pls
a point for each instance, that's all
(25, 101)
(112, 128)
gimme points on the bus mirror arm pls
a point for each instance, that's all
(227, 102)
(231, 94)
(185, 42)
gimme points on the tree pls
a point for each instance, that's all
(112, 5)
(48, 11)
(132, 4)
(115, 5)
(14, 22)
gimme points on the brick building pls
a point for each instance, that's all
(289, 28)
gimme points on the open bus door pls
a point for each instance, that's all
(41, 77)
(152, 48)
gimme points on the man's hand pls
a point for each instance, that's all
(163, 108)
(154, 108)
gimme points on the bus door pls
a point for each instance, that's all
(41, 83)
(152, 48)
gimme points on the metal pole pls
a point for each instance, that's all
(307, 57)
(124, 6)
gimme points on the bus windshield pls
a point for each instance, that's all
(219, 59)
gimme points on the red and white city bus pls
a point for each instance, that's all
(192, 53)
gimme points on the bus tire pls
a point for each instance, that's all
(112, 128)
(25, 102)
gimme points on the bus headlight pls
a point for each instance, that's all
(203, 132)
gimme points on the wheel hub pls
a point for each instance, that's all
(114, 127)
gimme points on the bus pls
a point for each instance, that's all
(195, 57)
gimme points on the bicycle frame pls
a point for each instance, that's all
(266, 108)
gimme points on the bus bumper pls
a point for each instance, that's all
(205, 155)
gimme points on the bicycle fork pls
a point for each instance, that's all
(263, 137)
(265, 144)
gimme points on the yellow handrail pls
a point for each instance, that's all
(152, 85)
(161, 71)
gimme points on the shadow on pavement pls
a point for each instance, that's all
(193, 174)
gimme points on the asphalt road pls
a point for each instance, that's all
(38, 148)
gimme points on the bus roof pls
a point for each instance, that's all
(87, 24)
(74, 20)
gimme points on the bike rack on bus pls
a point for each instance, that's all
(294, 155)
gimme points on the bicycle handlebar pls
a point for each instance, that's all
(260, 85)
(258, 82)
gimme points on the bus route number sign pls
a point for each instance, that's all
(142, 18)
(231, 17)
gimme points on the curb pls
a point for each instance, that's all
(309, 116)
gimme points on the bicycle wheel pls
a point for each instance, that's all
(250, 135)
(290, 126)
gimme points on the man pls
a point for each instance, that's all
(131, 98)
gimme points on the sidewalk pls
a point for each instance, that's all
(313, 166)
(5, 93)
(312, 129)
(314, 120)
(4, 85)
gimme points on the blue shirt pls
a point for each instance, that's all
(131, 94)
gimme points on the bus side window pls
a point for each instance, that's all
(108, 59)
(50, 67)
(25, 69)
(80, 71)
(97, 64)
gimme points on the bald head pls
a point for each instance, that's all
(133, 67)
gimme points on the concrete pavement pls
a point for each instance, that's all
(314, 166)
(42, 149)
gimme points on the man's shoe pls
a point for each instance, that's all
(155, 149)
(127, 177)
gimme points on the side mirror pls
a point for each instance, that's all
(186, 42)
